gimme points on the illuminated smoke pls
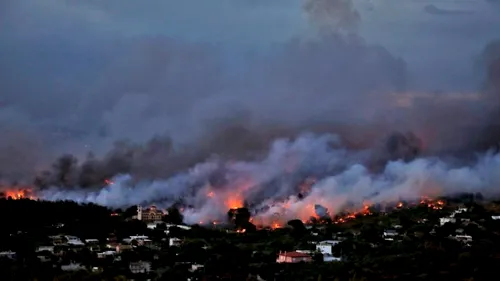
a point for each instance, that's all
(271, 185)
(228, 131)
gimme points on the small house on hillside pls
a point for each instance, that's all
(293, 257)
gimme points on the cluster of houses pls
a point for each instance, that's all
(61, 244)
(394, 233)
(325, 248)
(112, 249)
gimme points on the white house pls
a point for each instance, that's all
(330, 258)
(169, 226)
(463, 238)
(105, 254)
(92, 241)
(8, 254)
(452, 218)
(139, 237)
(390, 234)
(443, 221)
(195, 267)
(326, 247)
(174, 242)
(74, 241)
(140, 267)
(459, 211)
(45, 248)
(72, 267)
(153, 225)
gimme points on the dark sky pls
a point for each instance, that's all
(79, 75)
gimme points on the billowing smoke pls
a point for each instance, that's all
(320, 211)
(271, 184)
(210, 125)
(333, 16)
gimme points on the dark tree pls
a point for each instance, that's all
(239, 217)
(298, 228)
(174, 216)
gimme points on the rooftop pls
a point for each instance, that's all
(294, 254)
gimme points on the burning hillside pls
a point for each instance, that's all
(311, 178)
(17, 193)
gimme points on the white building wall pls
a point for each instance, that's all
(325, 249)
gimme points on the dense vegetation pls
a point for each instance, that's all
(424, 252)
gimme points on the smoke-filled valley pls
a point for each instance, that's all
(292, 126)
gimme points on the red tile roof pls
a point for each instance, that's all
(294, 255)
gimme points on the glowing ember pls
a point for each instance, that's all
(108, 182)
(433, 204)
(275, 226)
(19, 194)
(234, 202)
(211, 194)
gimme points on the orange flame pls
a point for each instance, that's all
(275, 225)
(19, 194)
(234, 202)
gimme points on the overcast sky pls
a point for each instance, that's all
(79, 74)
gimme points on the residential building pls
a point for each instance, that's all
(92, 241)
(112, 245)
(44, 258)
(463, 238)
(390, 234)
(58, 240)
(45, 248)
(154, 224)
(149, 214)
(140, 267)
(195, 267)
(72, 267)
(169, 226)
(174, 242)
(74, 241)
(8, 254)
(326, 247)
(123, 247)
(443, 221)
(105, 254)
(293, 257)
(330, 258)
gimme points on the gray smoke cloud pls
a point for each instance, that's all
(176, 86)
(271, 185)
(433, 10)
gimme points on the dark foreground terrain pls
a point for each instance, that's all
(67, 241)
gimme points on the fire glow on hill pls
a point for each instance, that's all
(16, 193)
(307, 178)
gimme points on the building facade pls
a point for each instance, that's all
(140, 267)
(293, 257)
(149, 214)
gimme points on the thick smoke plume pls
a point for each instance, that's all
(271, 186)
(210, 125)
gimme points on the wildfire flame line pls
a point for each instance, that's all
(18, 194)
